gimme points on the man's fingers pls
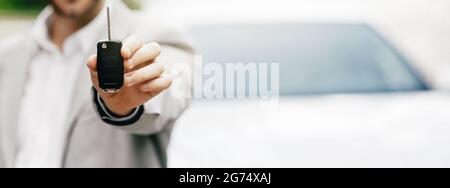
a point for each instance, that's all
(92, 63)
(156, 86)
(140, 66)
(145, 54)
(149, 72)
(94, 75)
(130, 46)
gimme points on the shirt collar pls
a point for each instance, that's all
(39, 31)
(85, 38)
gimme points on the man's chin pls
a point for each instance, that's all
(71, 15)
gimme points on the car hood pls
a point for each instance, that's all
(366, 130)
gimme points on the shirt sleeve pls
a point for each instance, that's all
(113, 119)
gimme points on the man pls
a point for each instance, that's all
(52, 112)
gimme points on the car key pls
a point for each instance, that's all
(110, 67)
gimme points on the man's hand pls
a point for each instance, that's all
(144, 78)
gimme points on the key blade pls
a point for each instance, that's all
(109, 23)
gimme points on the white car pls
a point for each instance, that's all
(348, 99)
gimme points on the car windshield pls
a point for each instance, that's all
(313, 58)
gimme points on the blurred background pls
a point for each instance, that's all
(363, 82)
(418, 27)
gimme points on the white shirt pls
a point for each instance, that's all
(52, 73)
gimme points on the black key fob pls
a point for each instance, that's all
(110, 67)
